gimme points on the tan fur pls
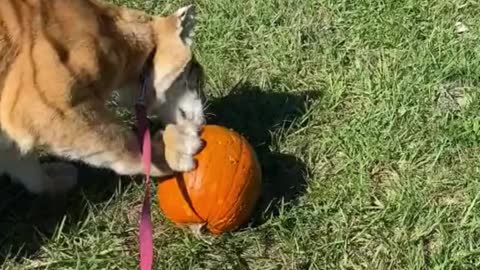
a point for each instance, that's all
(60, 60)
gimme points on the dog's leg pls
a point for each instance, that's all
(98, 139)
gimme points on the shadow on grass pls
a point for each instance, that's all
(257, 113)
(26, 221)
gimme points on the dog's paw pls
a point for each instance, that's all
(59, 177)
(182, 142)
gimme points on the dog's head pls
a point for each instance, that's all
(176, 77)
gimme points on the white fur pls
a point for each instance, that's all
(187, 23)
(188, 144)
(105, 159)
(167, 101)
(179, 105)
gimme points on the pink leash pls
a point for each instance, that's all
(146, 232)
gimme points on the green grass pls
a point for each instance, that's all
(365, 118)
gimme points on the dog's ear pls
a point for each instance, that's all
(186, 23)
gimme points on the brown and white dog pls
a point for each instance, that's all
(60, 60)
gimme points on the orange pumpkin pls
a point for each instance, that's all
(222, 191)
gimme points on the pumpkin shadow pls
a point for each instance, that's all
(27, 221)
(256, 113)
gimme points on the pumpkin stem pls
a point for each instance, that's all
(198, 229)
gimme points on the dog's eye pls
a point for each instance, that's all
(183, 114)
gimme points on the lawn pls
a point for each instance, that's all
(365, 117)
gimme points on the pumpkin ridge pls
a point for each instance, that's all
(184, 191)
(240, 160)
(195, 179)
(251, 179)
(232, 138)
(206, 169)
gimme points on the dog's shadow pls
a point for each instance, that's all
(258, 113)
(26, 221)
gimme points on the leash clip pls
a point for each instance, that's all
(141, 99)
